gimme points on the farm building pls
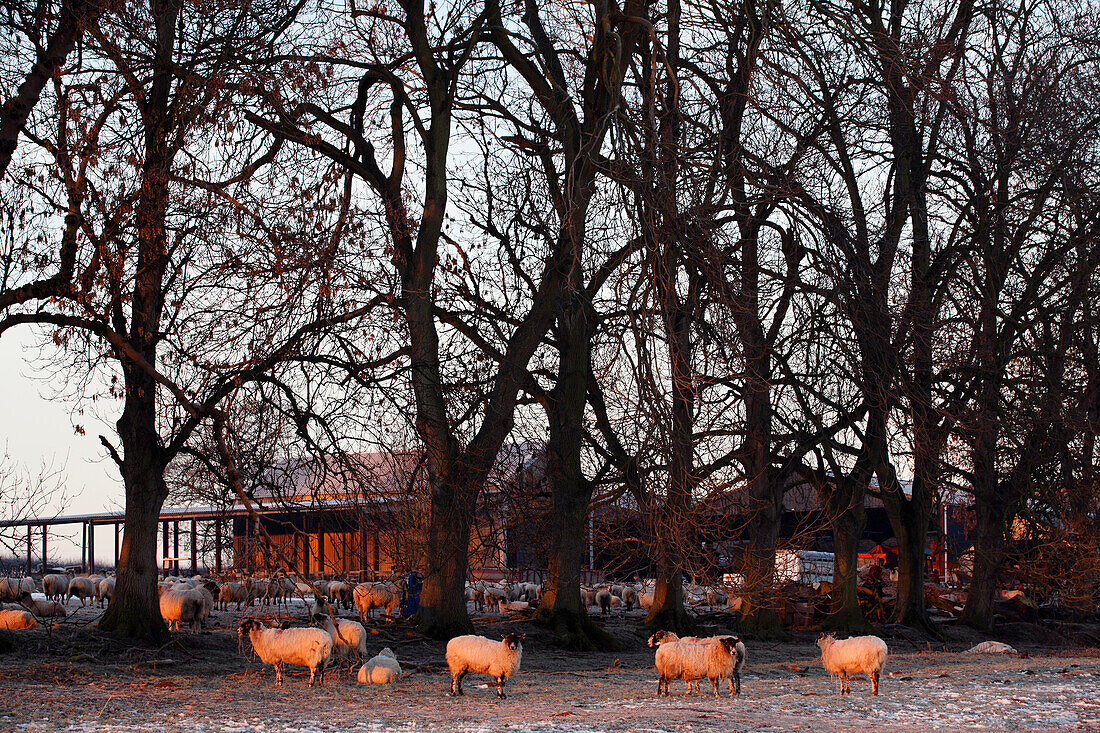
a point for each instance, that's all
(361, 517)
(365, 516)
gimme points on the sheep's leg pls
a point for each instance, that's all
(844, 689)
(737, 678)
(278, 673)
(874, 682)
(500, 687)
(714, 686)
(456, 683)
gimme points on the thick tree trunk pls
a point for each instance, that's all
(569, 522)
(668, 611)
(759, 608)
(561, 608)
(847, 525)
(989, 552)
(910, 523)
(135, 609)
(442, 613)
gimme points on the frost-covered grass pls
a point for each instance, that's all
(77, 680)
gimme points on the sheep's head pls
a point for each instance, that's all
(825, 640)
(513, 641)
(246, 626)
(729, 643)
(660, 637)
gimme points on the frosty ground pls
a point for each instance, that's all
(74, 678)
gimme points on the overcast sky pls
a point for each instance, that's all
(36, 429)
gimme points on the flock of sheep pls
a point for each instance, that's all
(187, 602)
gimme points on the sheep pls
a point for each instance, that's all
(492, 596)
(666, 637)
(688, 661)
(308, 647)
(347, 636)
(82, 588)
(105, 591)
(182, 607)
(369, 596)
(55, 586)
(382, 669)
(321, 590)
(860, 654)
(603, 600)
(260, 588)
(233, 593)
(630, 597)
(645, 600)
(42, 609)
(10, 588)
(497, 659)
(10, 619)
(341, 594)
(208, 600)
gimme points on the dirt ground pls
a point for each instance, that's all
(74, 678)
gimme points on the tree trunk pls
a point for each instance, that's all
(134, 611)
(847, 525)
(668, 610)
(989, 551)
(442, 613)
(910, 523)
(561, 608)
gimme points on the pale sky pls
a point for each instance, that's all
(36, 429)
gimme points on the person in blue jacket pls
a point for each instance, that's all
(411, 604)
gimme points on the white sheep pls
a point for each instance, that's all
(382, 669)
(42, 609)
(208, 600)
(497, 659)
(55, 586)
(81, 588)
(105, 591)
(308, 647)
(858, 655)
(630, 597)
(603, 600)
(715, 660)
(347, 636)
(182, 607)
(667, 637)
(369, 596)
(10, 588)
(491, 596)
(11, 619)
(341, 594)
